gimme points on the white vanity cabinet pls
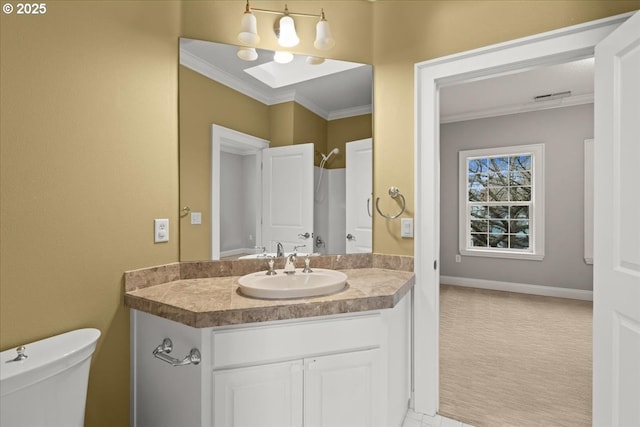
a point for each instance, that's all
(335, 390)
(344, 370)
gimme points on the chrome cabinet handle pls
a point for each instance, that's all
(304, 236)
(162, 352)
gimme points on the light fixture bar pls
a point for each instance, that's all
(279, 12)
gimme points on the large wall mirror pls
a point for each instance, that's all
(272, 153)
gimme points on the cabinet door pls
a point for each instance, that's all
(260, 396)
(343, 390)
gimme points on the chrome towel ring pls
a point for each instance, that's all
(394, 193)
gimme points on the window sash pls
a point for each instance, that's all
(505, 166)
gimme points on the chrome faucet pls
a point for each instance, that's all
(279, 250)
(290, 264)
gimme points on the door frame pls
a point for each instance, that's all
(232, 141)
(562, 45)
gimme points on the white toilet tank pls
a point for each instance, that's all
(49, 386)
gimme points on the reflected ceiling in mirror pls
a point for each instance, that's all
(331, 89)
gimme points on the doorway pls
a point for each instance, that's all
(499, 344)
(559, 46)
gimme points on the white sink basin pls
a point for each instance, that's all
(297, 285)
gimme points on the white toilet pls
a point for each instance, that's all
(48, 387)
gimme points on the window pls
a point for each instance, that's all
(502, 202)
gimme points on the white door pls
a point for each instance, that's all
(287, 197)
(267, 395)
(358, 196)
(343, 390)
(616, 293)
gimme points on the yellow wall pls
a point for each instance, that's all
(204, 102)
(88, 160)
(309, 127)
(341, 131)
(281, 121)
(89, 141)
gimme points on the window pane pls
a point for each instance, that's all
(499, 240)
(519, 242)
(479, 240)
(520, 194)
(499, 179)
(499, 212)
(498, 164)
(519, 212)
(477, 188)
(519, 163)
(498, 194)
(520, 178)
(477, 166)
(519, 227)
(499, 227)
(479, 226)
(476, 195)
(478, 211)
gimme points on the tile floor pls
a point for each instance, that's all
(413, 419)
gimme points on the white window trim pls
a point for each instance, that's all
(536, 238)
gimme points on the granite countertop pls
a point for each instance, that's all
(215, 301)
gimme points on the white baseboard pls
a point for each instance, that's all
(523, 288)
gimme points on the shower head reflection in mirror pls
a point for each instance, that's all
(322, 163)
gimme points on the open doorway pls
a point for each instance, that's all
(507, 356)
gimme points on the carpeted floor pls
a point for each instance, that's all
(509, 359)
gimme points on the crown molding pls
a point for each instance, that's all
(193, 62)
(569, 101)
(350, 112)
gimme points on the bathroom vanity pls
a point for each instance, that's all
(337, 360)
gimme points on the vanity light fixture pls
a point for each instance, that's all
(282, 57)
(284, 28)
(247, 53)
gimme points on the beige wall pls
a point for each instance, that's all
(88, 160)
(89, 141)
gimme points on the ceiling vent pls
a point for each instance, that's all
(552, 96)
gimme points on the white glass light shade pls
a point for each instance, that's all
(314, 60)
(324, 39)
(287, 36)
(249, 30)
(283, 57)
(247, 53)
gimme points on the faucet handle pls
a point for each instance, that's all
(307, 269)
(21, 356)
(271, 263)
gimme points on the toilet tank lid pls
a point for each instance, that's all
(45, 358)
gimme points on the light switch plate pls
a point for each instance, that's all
(196, 217)
(406, 227)
(160, 230)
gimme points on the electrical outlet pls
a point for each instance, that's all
(458, 258)
(160, 230)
